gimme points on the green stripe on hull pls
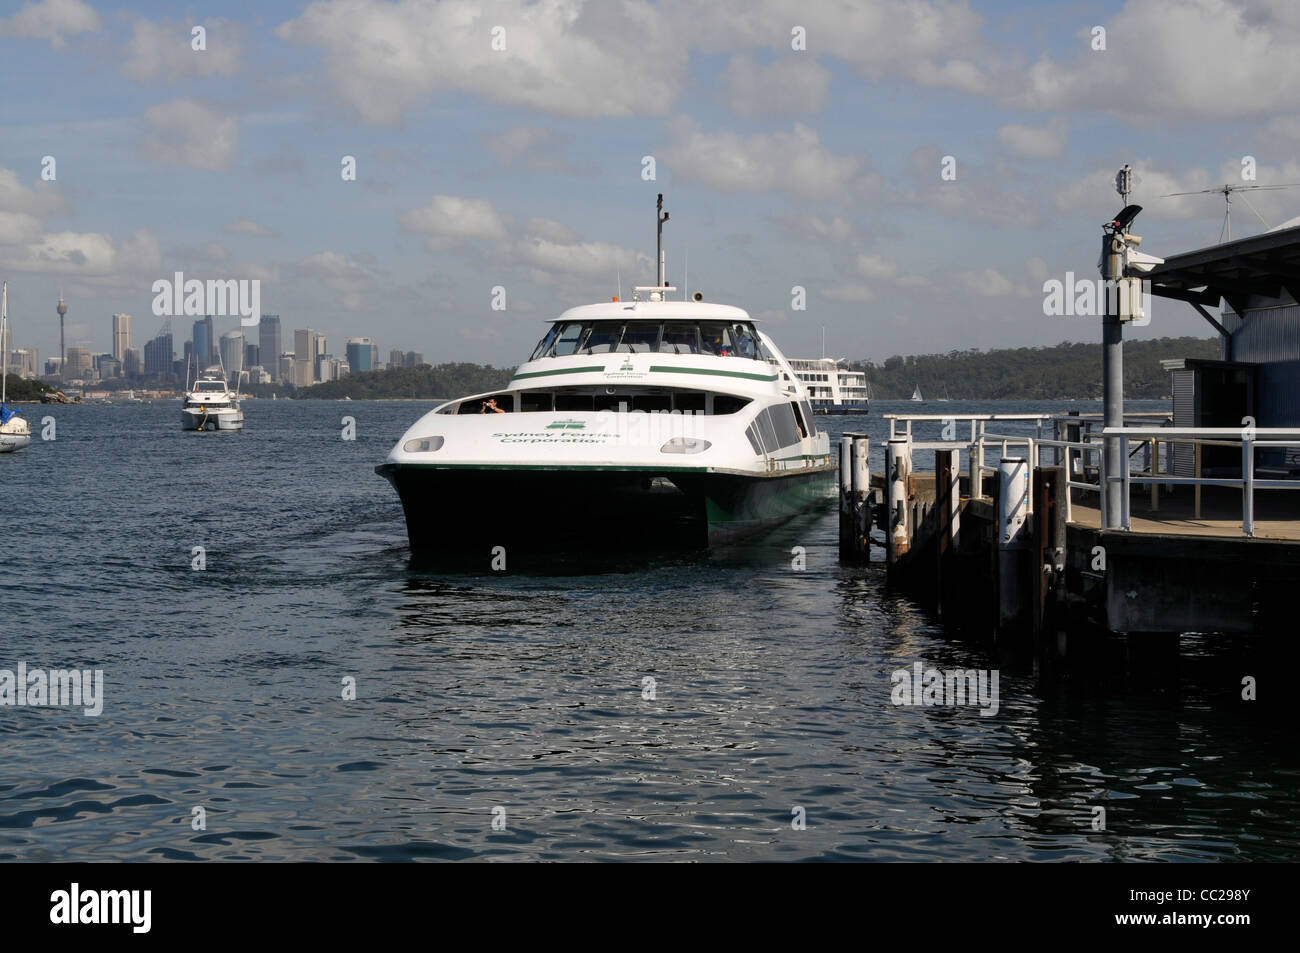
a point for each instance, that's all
(659, 369)
(563, 370)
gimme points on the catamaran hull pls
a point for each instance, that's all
(472, 510)
(212, 420)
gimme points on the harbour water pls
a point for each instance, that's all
(523, 698)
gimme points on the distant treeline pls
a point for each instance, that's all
(425, 381)
(19, 388)
(1032, 373)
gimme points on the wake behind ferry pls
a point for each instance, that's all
(650, 421)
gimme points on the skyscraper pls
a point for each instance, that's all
(80, 363)
(268, 341)
(158, 354)
(395, 358)
(361, 355)
(232, 354)
(204, 352)
(304, 357)
(121, 335)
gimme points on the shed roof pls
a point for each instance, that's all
(1265, 265)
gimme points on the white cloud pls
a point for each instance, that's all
(990, 283)
(18, 228)
(450, 219)
(187, 133)
(764, 162)
(163, 50)
(561, 57)
(583, 258)
(793, 84)
(1030, 142)
(246, 226)
(848, 294)
(550, 231)
(873, 266)
(50, 20)
(1174, 60)
(44, 199)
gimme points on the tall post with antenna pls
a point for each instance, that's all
(62, 309)
(1112, 355)
(660, 217)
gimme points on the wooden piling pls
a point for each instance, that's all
(898, 467)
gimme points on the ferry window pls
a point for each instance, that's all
(566, 342)
(689, 400)
(743, 337)
(798, 420)
(573, 401)
(726, 404)
(765, 431)
(752, 433)
(533, 401)
(716, 338)
(680, 338)
(787, 432)
(545, 343)
(639, 336)
(652, 402)
(601, 337)
(615, 402)
(809, 417)
(505, 401)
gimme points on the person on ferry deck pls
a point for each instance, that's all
(490, 405)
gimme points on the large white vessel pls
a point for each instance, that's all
(210, 404)
(650, 421)
(14, 431)
(832, 389)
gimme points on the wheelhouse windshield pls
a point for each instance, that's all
(720, 338)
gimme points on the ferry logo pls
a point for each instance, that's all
(221, 298)
(626, 365)
(931, 687)
(567, 425)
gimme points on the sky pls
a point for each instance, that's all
(507, 146)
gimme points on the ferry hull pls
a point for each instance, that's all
(450, 511)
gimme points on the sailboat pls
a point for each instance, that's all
(14, 432)
(916, 394)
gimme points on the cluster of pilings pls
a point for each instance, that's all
(987, 561)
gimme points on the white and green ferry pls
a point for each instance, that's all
(650, 421)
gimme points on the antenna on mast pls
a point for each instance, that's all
(1226, 191)
(660, 217)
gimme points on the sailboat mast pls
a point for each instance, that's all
(4, 341)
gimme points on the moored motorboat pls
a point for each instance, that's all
(210, 404)
(15, 434)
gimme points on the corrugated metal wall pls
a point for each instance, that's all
(1184, 416)
(1266, 334)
